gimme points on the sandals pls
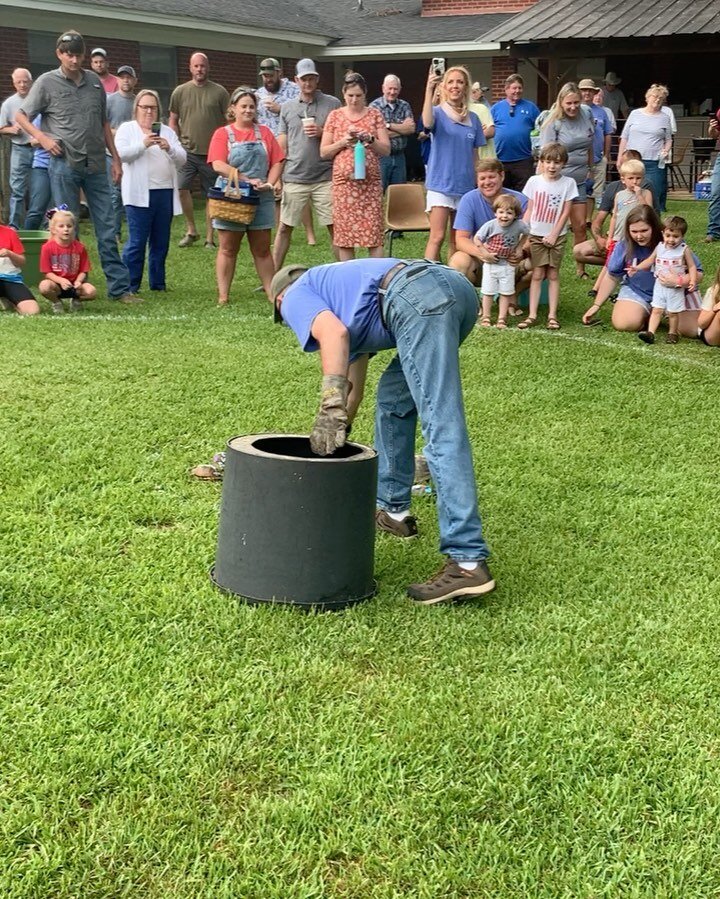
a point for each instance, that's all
(501, 324)
(583, 276)
(223, 302)
(485, 322)
(528, 323)
(672, 338)
(553, 324)
(515, 311)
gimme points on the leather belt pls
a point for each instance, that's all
(389, 275)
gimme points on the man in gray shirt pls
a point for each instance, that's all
(76, 134)
(306, 177)
(120, 106)
(21, 154)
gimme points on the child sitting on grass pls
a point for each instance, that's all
(13, 291)
(672, 256)
(550, 195)
(503, 237)
(64, 262)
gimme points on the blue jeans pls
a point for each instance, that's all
(393, 169)
(658, 178)
(21, 160)
(117, 203)
(66, 183)
(149, 225)
(40, 195)
(429, 311)
(714, 207)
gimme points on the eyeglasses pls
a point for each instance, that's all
(140, 106)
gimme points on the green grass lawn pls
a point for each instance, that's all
(559, 738)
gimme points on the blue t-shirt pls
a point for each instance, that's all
(350, 291)
(451, 167)
(641, 283)
(513, 125)
(474, 210)
(603, 127)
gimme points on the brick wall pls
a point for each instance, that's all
(502, 66)
(228, 69)
(472, 7)
(14, 55)
(119, 53)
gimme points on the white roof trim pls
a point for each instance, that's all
(347, 51)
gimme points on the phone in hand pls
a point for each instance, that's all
(155, 128)
(438, 65)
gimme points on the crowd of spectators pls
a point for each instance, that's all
(87, 135)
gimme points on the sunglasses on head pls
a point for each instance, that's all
(354, 78)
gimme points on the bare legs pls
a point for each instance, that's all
(578, 224)
(439, 217)
(225, 263)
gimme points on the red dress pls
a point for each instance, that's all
(357, 205)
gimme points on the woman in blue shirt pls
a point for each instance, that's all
(631, 311)
(456, 135)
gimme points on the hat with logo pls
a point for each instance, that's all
(269, 65)
(587, 84)
(98, 51)
(71, 42)
(612, 78)
(126, 70)
(305, 67)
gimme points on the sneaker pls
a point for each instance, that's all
(188, 240)
(58, 308)
(452, 581)
(406, 529)
(422, 471)
(130, 298)
(646, 336)
(76, 305)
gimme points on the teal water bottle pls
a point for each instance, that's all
(359, 161)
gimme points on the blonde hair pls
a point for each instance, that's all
(57, 213)
(146, 92)
(556, 110)
(443, 86)
(632, 167)
(657, 90)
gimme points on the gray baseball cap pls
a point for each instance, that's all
(305, 67)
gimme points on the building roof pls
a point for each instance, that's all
(395, 22)
(269, 14)
(602, 19)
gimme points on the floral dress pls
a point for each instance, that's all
(357, 205)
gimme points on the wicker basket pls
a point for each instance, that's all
(237, 203)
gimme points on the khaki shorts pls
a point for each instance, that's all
(295, 198)
(540, 255)
(599, 172)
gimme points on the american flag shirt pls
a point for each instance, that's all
(548, 199)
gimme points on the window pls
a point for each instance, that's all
(159, 71)
(41, 52)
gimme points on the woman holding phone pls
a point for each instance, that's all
(151, 156)
(457, 133)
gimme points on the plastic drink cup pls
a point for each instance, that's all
(308, 122)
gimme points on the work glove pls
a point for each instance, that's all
(330, 429)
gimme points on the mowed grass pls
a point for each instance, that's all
(559, 738)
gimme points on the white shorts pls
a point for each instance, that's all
(435, 198)
(497, 279)
(672, 299)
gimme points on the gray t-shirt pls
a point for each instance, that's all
(647, 133)
(119, 109)
(74, 114)
(502, 241)
(576, 135)
(303, 164)
(7, 117)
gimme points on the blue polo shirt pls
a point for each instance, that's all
(474, 211)
(350, 291)
(603, 127)
(512, 129)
